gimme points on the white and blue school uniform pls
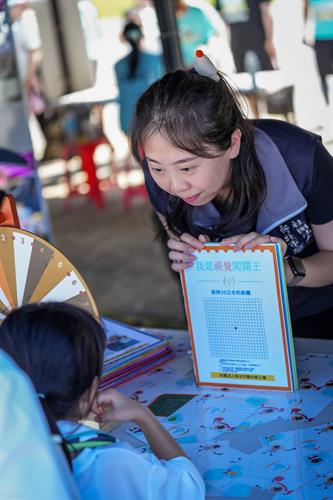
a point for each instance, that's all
(118, 471)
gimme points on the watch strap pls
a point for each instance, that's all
(297, 268)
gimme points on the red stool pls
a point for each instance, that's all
(86, 152)
(131, 192)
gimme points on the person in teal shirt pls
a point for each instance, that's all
(321, 11)
(134, 73)
(194, 29)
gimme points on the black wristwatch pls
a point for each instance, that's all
(297, 268)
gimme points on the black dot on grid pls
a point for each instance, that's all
(250, 341)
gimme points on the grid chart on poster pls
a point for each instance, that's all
(235, 327)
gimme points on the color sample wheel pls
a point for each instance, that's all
(33, 270)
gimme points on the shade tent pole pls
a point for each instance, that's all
(166, 16)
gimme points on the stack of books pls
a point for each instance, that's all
(130, 352)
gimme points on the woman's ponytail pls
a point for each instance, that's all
(132, 34)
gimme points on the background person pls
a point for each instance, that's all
(28, 46)
(143, 13)
(134, 73)
(321, 14)
(29, 55)
(194, 28)
(251, 29)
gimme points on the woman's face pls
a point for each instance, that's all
(194, 179)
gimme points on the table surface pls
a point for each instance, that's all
(248, 443)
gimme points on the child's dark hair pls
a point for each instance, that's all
(132, 33)
(196, 113)
(60, 347)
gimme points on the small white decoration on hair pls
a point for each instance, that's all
(204, 66)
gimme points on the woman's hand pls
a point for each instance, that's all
(112, 405)
(181, 250)
(251, 240)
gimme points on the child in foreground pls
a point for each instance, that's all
(61, 348)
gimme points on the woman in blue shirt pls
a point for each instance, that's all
(212, 174)
(135, 72)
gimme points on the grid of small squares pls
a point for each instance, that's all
(235, 327)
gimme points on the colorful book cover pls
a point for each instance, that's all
(129, 352)
(121, 340)
(238, 318)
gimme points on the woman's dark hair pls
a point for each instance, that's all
(60, 347)
(199, 115)
(132, 33)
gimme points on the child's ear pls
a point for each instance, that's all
(235, 143)
(87, 398)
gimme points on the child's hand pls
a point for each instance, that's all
(113, 405)
(181, 254)
(250, 240)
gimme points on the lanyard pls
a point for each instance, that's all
(88, 439)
